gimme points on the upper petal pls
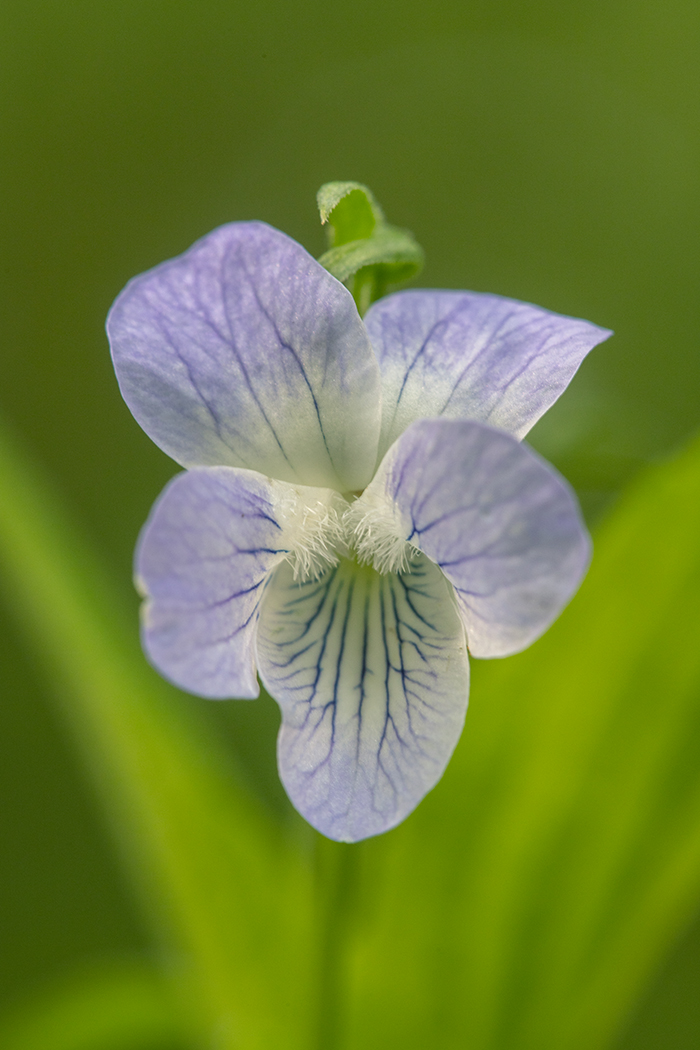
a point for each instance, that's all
(372, 677)
(502, 525)
(466, 355)
(203, 558)
(245, 352)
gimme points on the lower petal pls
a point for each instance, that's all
(372, 677)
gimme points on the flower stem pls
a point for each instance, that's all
(364, 289)
(336, 868)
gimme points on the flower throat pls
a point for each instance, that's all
(322, 526)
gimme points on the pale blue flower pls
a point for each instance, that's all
(357, 509)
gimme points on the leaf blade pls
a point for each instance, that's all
(120, 1007)
(221, 883)
(546, 876)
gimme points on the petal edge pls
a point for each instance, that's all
(470, 355)
(203, 558)
(245, 352)
(503, 526)
(372, 676)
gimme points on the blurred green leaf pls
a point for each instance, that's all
(535, 891)
(228, 895)
(668, 1014)
(124, 1007)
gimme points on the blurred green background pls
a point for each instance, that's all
(546, 151)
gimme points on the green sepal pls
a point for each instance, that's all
(350, 210)
(393, 251)
(366, 253)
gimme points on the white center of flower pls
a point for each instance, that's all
(373, 528)
(321, 526)
(311, 522)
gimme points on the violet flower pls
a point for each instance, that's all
(357, 509)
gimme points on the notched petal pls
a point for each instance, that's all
(372, 677)
(502, 525)
(467, 355)
(245, 352)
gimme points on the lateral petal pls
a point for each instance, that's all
(245, 352)
(503, 526)
(372, 676)
(467, 355)
(202, 561)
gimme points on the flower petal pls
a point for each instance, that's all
(465, 355)
(202, 560)
(502, 525)
(372, 676)
(245, 352)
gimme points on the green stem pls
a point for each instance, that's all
(365, 288)
(336, 868)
